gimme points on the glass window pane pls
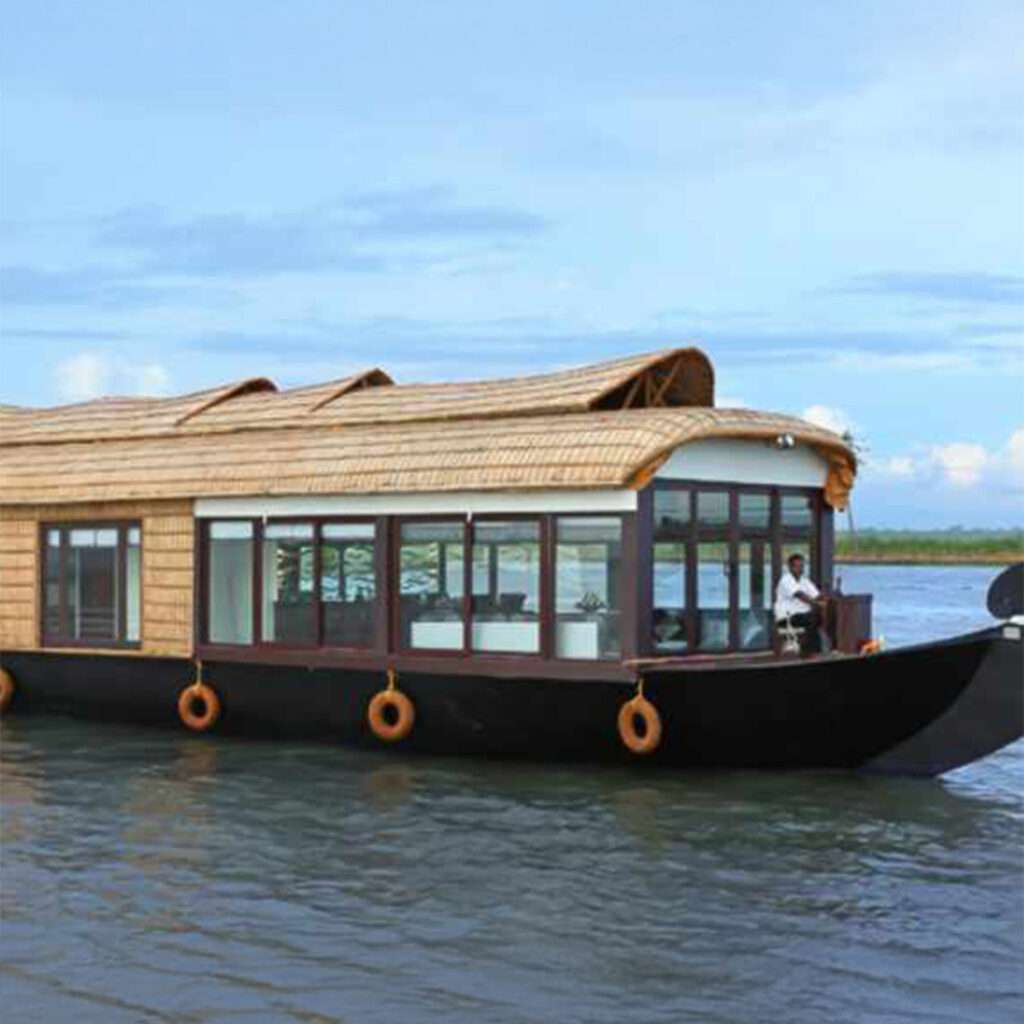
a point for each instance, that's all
(506, 587)
(713, 508)
(51, 585)
(230, 583)
(133, 586)
(231, 531)
(348, 584)
(288, 607)
(588, 560)
(288, 531)
(671, 514)
(71, 596)
(797, 511)
(670, 636)
(96, 598)
(713, 596)
(755, 589)
(431, 589)
(755, 511)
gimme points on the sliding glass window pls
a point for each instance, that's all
(431, 586)
(588, 570)
(230, 554)
(672, 527)
(506, 586)
(289, 584)
(348, 584)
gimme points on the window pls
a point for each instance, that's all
(588, 564)
(506, 587)
(716, 553)
(348, 584)
(230, 582)
(92, 584)
(799, 535)
(713, 508)
(431, 585)
(289, 607)
(671, 543)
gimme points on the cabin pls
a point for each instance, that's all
(566, 523)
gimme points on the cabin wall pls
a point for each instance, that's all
(167, 570)
(727, 460)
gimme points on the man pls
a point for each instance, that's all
(799, 600)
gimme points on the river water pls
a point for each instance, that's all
(150, 876)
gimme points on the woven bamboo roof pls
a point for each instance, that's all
(608, 425)
(669, 378)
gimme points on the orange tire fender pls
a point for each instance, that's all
(391, 714)
(199, 707)
(7, 689)
(640, 740)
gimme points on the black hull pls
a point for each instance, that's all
(919, 710)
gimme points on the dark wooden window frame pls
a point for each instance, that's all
(636, 584)
(259, 524)
(63, 637)
(731, 533)
(388, 610)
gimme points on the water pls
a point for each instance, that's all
(149, 876)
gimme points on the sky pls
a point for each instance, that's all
(827, 198)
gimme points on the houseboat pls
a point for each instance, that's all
(576, 565)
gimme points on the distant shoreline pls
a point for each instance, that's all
(929, 558)
(875, 546)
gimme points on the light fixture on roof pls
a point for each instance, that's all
(784, 441)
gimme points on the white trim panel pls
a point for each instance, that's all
(433, 503)
(746, 462)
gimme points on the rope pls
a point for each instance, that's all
(392, 678)
(199, 675)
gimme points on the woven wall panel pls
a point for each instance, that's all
(167, 569)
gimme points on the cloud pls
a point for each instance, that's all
(434, 213)
(966, 287)
(105, 288)
(89, 375)
(62, 334)
(82, 377)
(231, 244)
(829, 417)
(367, 233)
(30, 286)
(960, 465)
(151, 379)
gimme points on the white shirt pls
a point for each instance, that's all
(786, 603)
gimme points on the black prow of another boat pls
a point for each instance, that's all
(1006, 594)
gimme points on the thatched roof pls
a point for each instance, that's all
(607, 425)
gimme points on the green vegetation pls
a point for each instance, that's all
(956, 545)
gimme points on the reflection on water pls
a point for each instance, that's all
(151, 876)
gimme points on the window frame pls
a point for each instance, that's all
(64, 527)
(629, 594)
(381, 544)
(817, 537)
(545, 610)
